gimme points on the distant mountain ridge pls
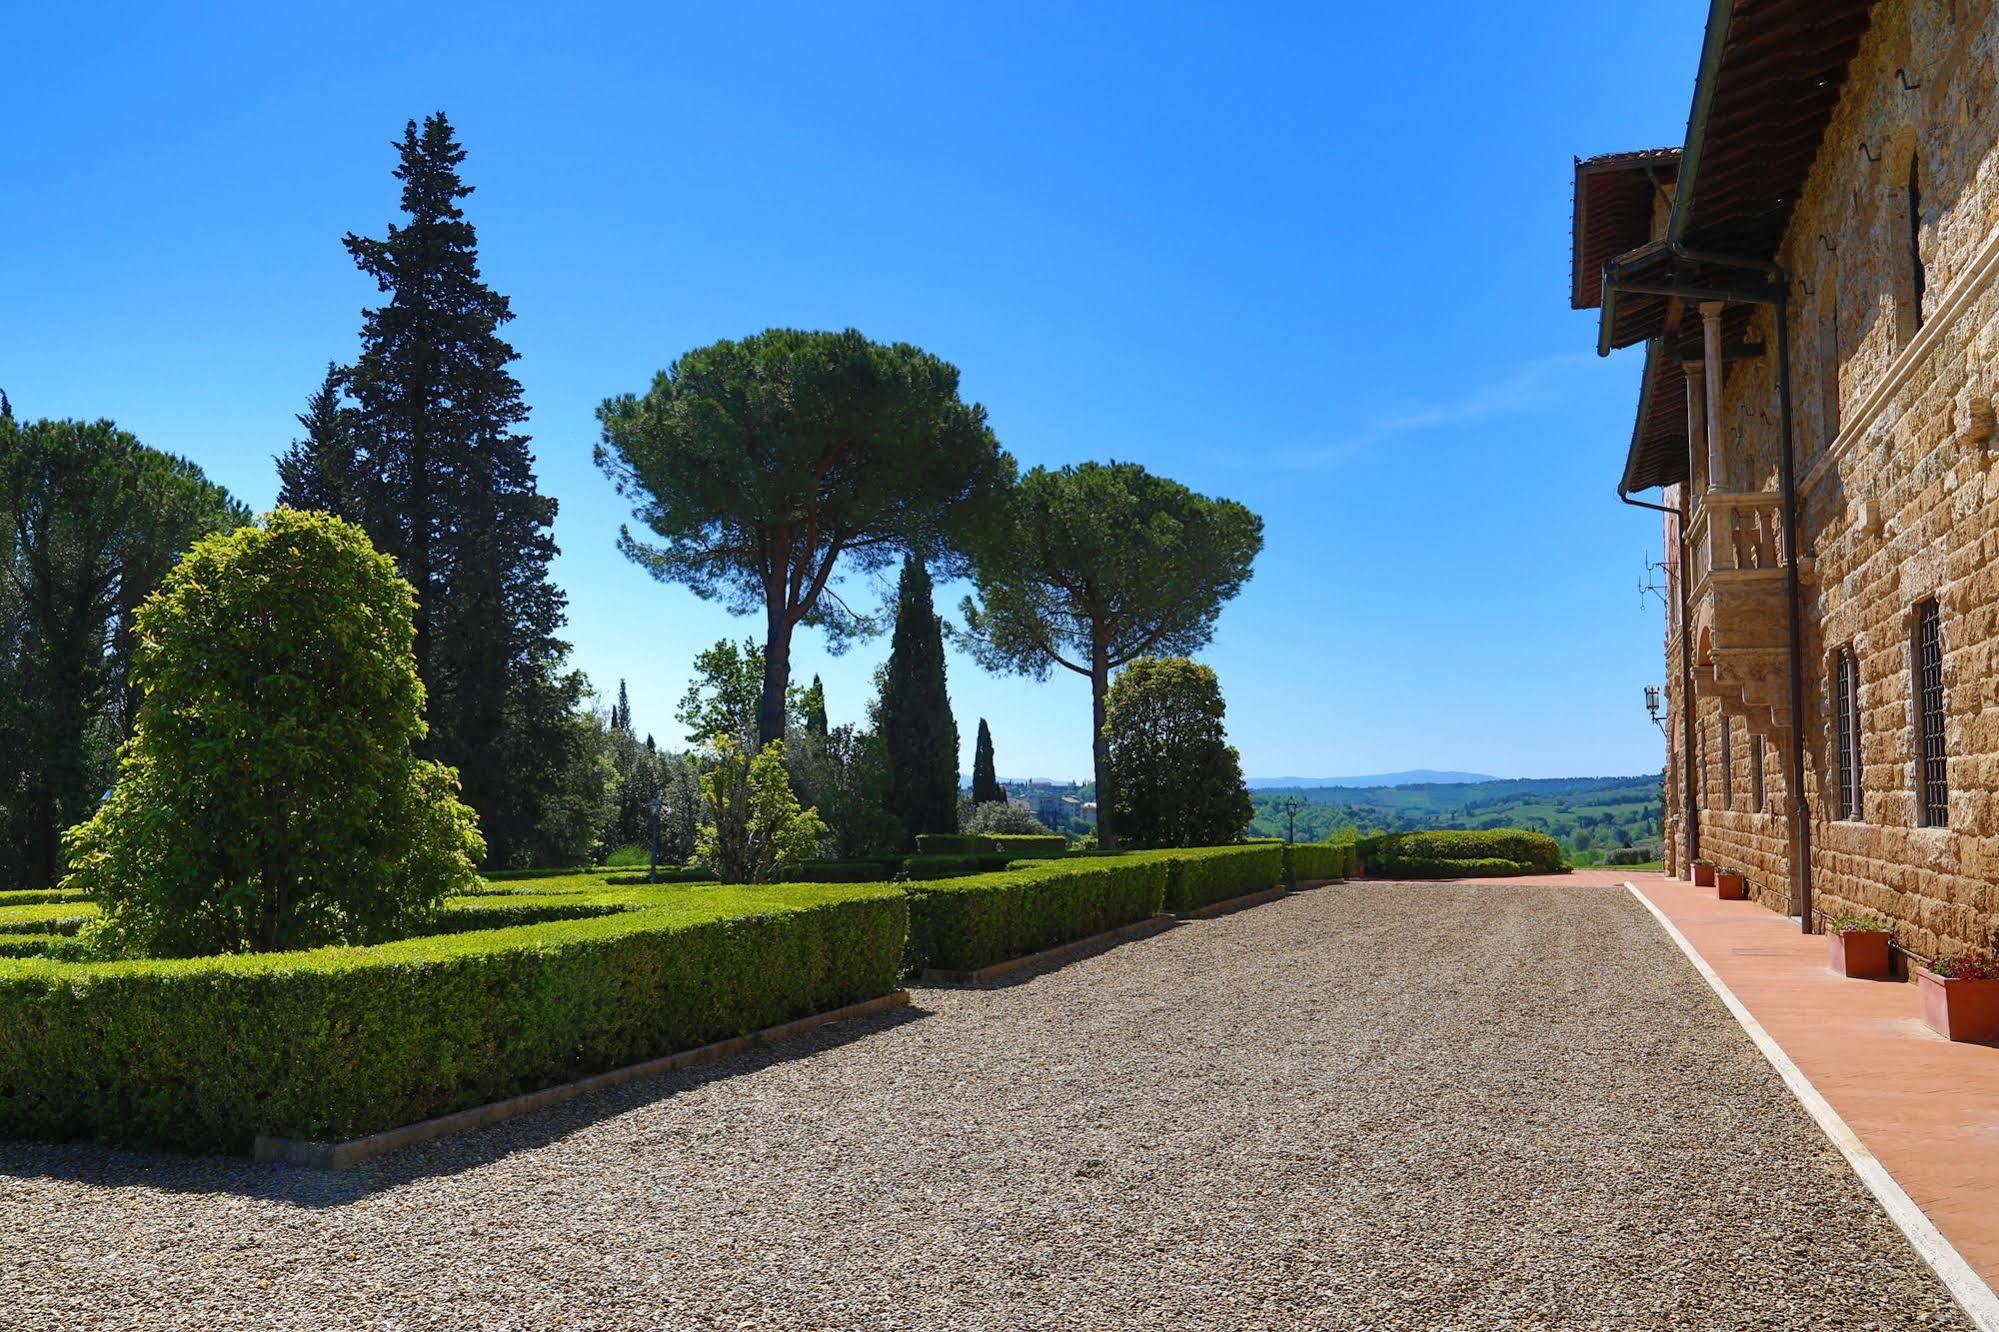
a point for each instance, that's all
(1413, 777)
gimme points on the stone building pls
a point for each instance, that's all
(1812, 278)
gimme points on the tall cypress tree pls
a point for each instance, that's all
(915, 714)
(814, 707)
(446, 486)
(985, 779)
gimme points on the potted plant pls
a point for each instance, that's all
(1961, 997)
(1703, 873)
(1731, 885)
(1857, 947)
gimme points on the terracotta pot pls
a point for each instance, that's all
(1858, 954)
(1703, 875)
(1730, 886)
(1959, 1010)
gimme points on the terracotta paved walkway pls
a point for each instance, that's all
(1927, 1108)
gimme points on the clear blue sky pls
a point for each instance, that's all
(1311, 257)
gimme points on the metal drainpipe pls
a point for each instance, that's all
(1690, 815)
(1800, 814)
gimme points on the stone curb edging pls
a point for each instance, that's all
(1138, 929)
(1232, 905)
(355, 1151)
(1969, 1289)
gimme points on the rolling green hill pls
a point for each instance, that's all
(1588, 815)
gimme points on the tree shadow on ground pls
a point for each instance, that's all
(313, 1189)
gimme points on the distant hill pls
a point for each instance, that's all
(1414, 777)
(1588, 815)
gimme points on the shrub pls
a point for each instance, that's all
(1018, 846)
(1173, 776)
(965, 924)
(206, 1053)
(1965, 966)
(629, 855)
(1430, 867)
(1318, 860)
(268, 798)
(753, 827)
(1204, 875)
(1003, 817)
(1473, 852)
(1856, 925)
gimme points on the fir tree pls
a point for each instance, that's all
(621, 711)
(321, 470)
(985, 780)
(915, 713)
(446, 487)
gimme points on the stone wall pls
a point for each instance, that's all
(1900, 497)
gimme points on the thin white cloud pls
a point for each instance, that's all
(1531, 387)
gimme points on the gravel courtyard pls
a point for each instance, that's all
(1365, 1106)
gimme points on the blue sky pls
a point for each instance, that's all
(1310, 257)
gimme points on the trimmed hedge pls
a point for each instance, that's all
(1014, 846)
(965, 924)
(1307, 861)
(1461, 853)
(1200, 876)
(206, 1053)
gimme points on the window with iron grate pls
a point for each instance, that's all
(1727, 765)
(1932, 761)
(1846, 724)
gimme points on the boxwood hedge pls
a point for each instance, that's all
(1204, 875)
(964, 924)
(1014, 846)
(1308, 861)
(206, 1053)
(1461, 853)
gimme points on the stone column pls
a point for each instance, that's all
(1711, 344)
(1697, 452)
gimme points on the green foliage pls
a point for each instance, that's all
(1003, 817)
(1857, 925)
(93, 521)
(1017, 845)
(269, 798)
(964, 924)
(811, 707)
(1176, 779)
(914, 714)
(207, 1053)
(752, 826)
(844, 775)
(1103, 563)
(1202, 876)
(629, 855)
(1460, 853)
(768, 467)
(723, 695)
(1609, 812)
(985, 775)
(418, 441)
(1307, 861)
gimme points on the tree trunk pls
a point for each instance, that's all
(1100, 748)
(777, 676)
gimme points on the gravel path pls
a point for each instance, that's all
(1367, 1106)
